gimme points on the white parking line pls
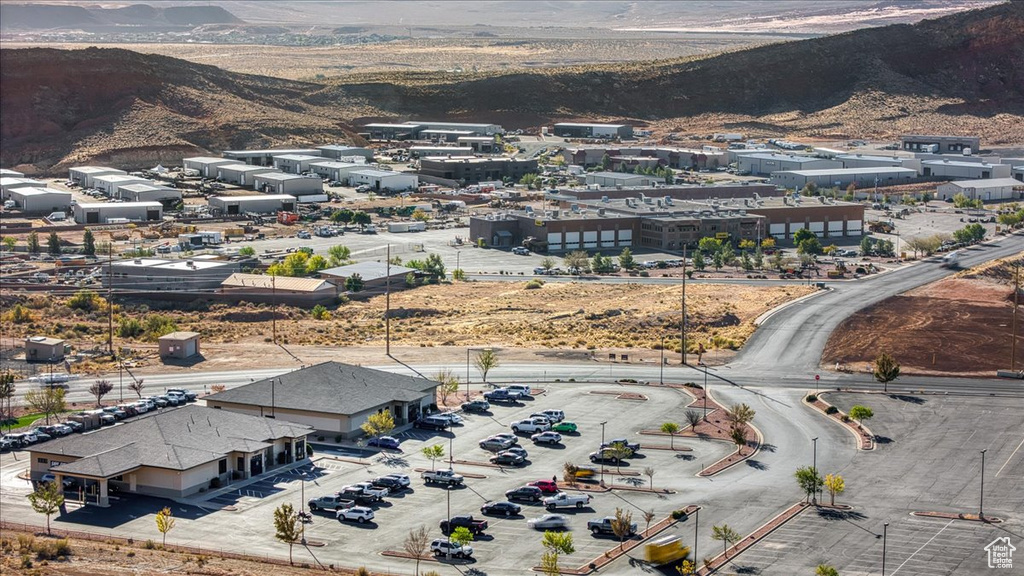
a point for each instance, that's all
(921, 548)
(1010, 458)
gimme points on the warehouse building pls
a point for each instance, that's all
(241, 174)
(333, 398)
(83, 175)
(335, 171)
(109, 183)
(147, 193)
(265, 157)
(469, 127)
(764, 163)
(435, 135)
(479, 144)
(617, 179)
(826, 218)
(389, 131)
(40, 200)
(338, 152)
(708, 157)
(105, 213)
(12, 183)
(590, 130)
(8, 173)
(205, 165)
(863, 161)
(281, 183)
(383, 180)
(473, 170)
(987, 190)
(295, 163)
(1018, 173)
(375, 275)
(425, 151)
(259, 288)
(674, 191)
(261, 204)
(940, 144)
(843, 177)
(171, 454)
(157, 274)
(964, 170)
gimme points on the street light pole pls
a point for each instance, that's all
(599, 451)
(661, 377)
(696, 525)
(302, 506)
(885, 535)
(981, 496)
(814, 467)
(705, 390)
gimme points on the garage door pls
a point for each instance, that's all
(835, 227)
(233, 209)
(853, 227)
(152, 214)
(777, 230)
(590, 239)
(92, 218)
(625, 238)
(572, 240)
(607, 238)
(554, 240)
(817, 228)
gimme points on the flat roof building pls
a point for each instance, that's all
(966, 170)
(103, 213)
(8, 173)
(941, 144)
(480, 144)
(374, 274)
(205, 165)
(292, 184)
(295, 163)
(986, 190)
(708, 157)
(335, 171)
(179, 345)
(592, 130)
(383, 180)
(337, 152)
(158, 274)
(8, 184)
(83, 175)
(241, 174)
(843, 177)
(148, 193)
(109, 183)
(616, 179)
(265, 157)
(260, 204)
(865, 161)
(43, 349)
(173, 453)
(472, 169)
(425, 151)
(764, 163)
(40, 200)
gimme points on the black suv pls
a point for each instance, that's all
(531, 493)
(392, 484)
(432, 423)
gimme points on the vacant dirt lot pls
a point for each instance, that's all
(961, 325)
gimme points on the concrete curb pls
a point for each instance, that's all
(756, 450)
(844, 425)
(765, 316)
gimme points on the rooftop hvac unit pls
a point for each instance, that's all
(642, 197)
(821, 199)
(648, 200)
(746, 202)
(600, 211)
(668, 200)
(659, 203)
(618, 186)
(604, 199)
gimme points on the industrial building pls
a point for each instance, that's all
(335, 171)
(241, 174)
(8, 173)
(265, 157)
(338, 152)
(390, 131)
(171, 454)
(426, 151)
(375, 275)
(109, 183)
(83, 175)
(295, 163)
(479, 144)
(843, 177)
(261, 204)
(179, 345)
(156, 274)
(279, 289)
(205, 165)
(674, 191)
(281, 183)
(472, 170)
(40, 200)
(110, 212)
(616, 179)
(708, 157)
(965, 170)
(384, 180)
(43, 349)
(420, 130)
(1018, 173)
(590, 130)
(147, 193)
(436, 135)
(940, 144)
(469, 127)
(986, 190)
(863, 161)
(12, 183)
(764, 163)
(826, 218)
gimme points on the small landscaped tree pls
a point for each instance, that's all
(447, 384)
(416, 544)
(698, 261)
(462, 536)
(569, 471)
(137, 386)
(809, 481)
(433, 453)
(286, 526)
(47, 499)
(739, 438)
(687, 568)
(555, 544)
(726, 536)
(740, 415)
(164, 523)
(48, 401)
(626, 261)
(99, 389)
(547, 263)
(88, 243)
(825, 570)
(861, 413)
(7, 389)
(618, 452)
(887, 369)
(649, 472)
(33, 243)
(53, 244)
(622, 525)
(378, 424)
(670, 428)
(485, 361)
(693, 418)
(576, 261)
(835, 485)
(354, 283)
(649, 516)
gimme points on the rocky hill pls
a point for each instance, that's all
(960, 73)
(55, 16)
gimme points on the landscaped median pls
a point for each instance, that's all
(865, 438)
(766, 529)
(960, 516)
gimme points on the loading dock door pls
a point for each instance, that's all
(233, 209)
(288, 206)
(152, 214)
(92, 218)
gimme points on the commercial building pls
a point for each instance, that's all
(843, 177)
(764, 163)
(338, 152)
(265, 157)
(43, 349)
(179, 345)
(481, 129)
(40, 200)
(8, 173)
(109, 183)
(590, 130)
(414, 130)
(279, 290)
(295, 163)
(383, 180)
(205, 165)
(292, 184)
(425, 151)
(562, 231)
(985, 190)
(1018, 173)
(8, 184)
(673, 191)
(863, 161)
(261, 204)
(171, 454)
(241, 174)
(157, 274)
(437, 135)
(826, 218)
(479, 144)
(965, 170)
(83, 175)
(335, 171)
(473, 170)
(104, 213)
(708, 157)
(147, 193)
(333, 398)
(391, 131)
(374, 275)
(616, 179)
(939, 144)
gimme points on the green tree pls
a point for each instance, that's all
(555, 545)
(810, 189)
(378, 424)
(809, 480)
(809, 246)
(618, 452)
(354, 283)
(247, 251)
(768, 243)
(746, 262)
(825, 570)
(339, 254)
(886, 370)
(670, 428)
(622, 523)
(433, 453)
(803, 234)
(861, 413)
(286, 527)
(343, 216)
(960, 200)
(738, 437)
(865, 246)
(835, 484)
(626, 261)
(48, 401)
(462, 536)
(319, 312)
(164, 523)
(33, 243)
(88, 243)
(53, 244)
(718, 259)
(361, 219)
(458, 275)
(416, 544)
(9, 243)
(20, 315)
(726, 536)
(747, 244)
(485, 361)
(728, 254)
(448, 384)
(576, 261)
(778, 261)
(606, 162)
(47, 499)
(698, 261)
(420, 215)
(709, 245)
(434, 267)
(547, 263)
(7, 389)
(315, 263)
(86, 300)
(530, 180)
(600, 264)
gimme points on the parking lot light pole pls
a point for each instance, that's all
(885, 534)
(448, 554)
(814, 467)
(661, 377)
(981, 496)
(705, 390)
(600, 453)
(302, 505)
(696, 525)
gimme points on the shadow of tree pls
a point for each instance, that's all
(633, 481)
(686, 457)
(906, 398)
(768, 447)
(757, 464)
(882, 439)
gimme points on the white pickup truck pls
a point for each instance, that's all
(448, 477)
(368, 490)
(531, 425)
(563, 500)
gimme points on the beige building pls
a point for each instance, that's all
(179, 345)
(171, 454)
(43, 349)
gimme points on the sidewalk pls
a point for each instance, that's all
(200, 498)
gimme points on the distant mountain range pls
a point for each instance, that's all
(92, 17)
(963, 72)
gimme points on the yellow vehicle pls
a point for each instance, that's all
(666, 550)
(583, 473)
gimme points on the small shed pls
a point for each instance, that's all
(179, 345)
(43, 349)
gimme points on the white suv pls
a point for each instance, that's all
(531, 425)
(522, 389)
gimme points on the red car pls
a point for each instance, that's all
(546, 486)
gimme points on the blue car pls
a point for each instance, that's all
(384, 442)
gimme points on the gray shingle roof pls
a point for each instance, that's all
(332, 388)
(178, 439)
(368, 271)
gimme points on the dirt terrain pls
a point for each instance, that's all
(960, 325)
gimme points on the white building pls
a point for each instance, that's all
(986, 190)
(103, 213)
(7, 173)
(281, 183)
(205, 165)
(260, 204)
(765, 163)
(863, 161)
(8, 184)
(295, 163)
(337, 152)
(843, 177)
(1018, 173)
(335, 171)
(960, 169)
(109, 184)
(384, 180)
(83, 175)
(241, 174)
(150, 192)
(41, 200)
(265, 157)
(424, 151)
(616, 179)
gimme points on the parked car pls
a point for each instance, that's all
(452, 418)
(632, 446)
(507, 459)
(531, 493)
(75, 426)
(66, 483)
(517, 450)
(369, 489)
(41, 436)
(603, 455)
(107, 420)
(159, 401)
(501, 509)
(522, 389)
(564, 426)
(510, 437)
(553, 415)
(432, 423)
(495, 444)
(188, 394)
(548, 437)
(548, 522)
(442, 547)
(604, 526)
(384, 442)
(6, 445)
(476, 406)
(564, 500)
(500, 395)
(448, 477)
(474, 525)
(360, 514)
(520, 251)
(392, 485)
(403, 479)
(531, 425)
(546, 486)
(330, 502)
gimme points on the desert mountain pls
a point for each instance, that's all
(959, 73)
(52, 16)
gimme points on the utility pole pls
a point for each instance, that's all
(273, 316)
(682, 326)
(1013, 331)
(110, 298)
(387, 306)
